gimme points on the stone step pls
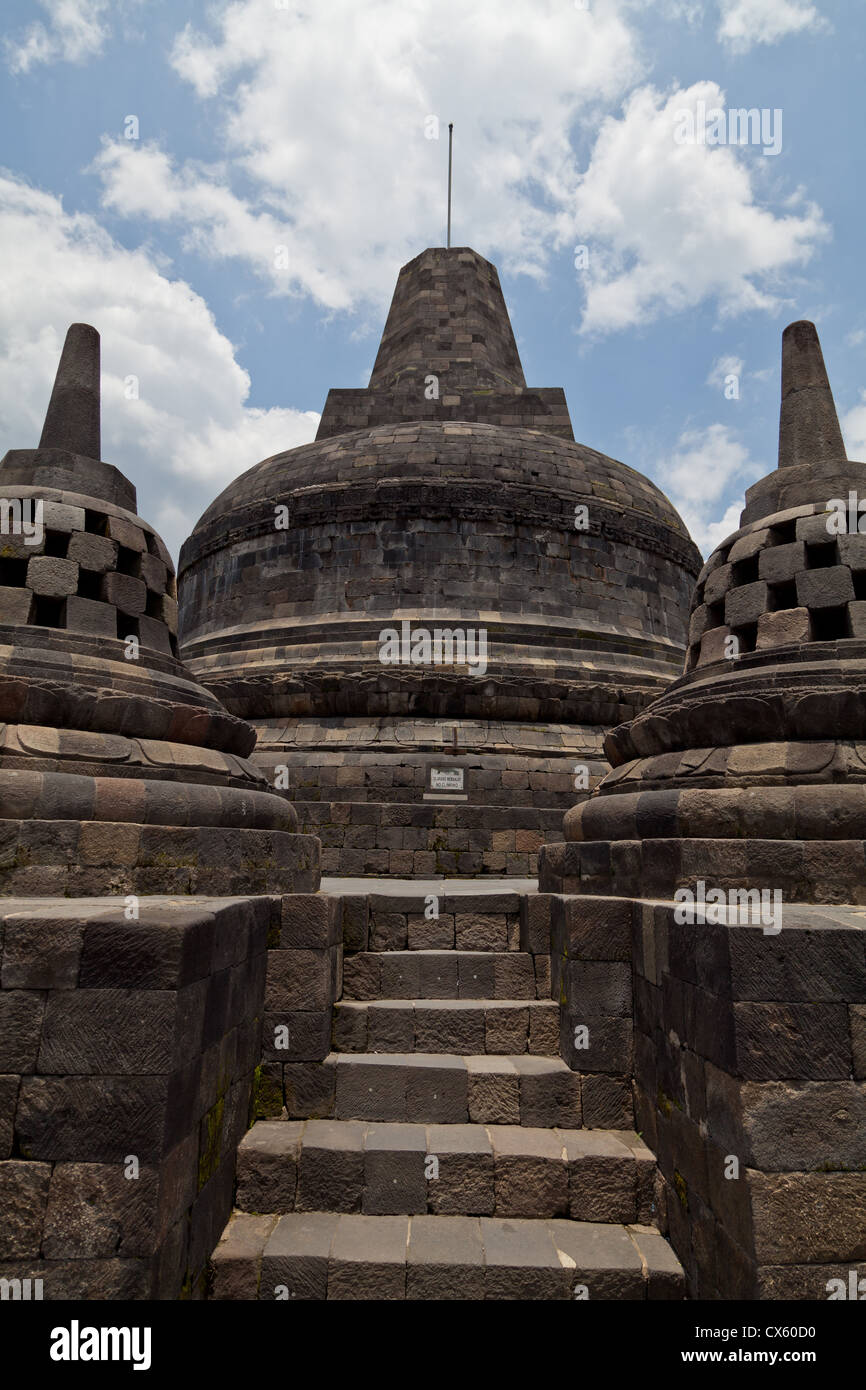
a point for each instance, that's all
(319, 1255)
(446, 974)
(446, 1170)
(443, 1088)
(447, 1025)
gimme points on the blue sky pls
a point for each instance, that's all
(262, 124)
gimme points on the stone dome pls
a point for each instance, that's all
(448, 496)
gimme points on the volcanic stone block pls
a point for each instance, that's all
(361, 977)
(603, 1258)
(15, 605)
(779, 564)
(746, 604)
(521, 1261)
(436, 1090)
(747, 546)
(49, 576)
(267, 1166)
(549, 1095)
(125, 592)
(437, 976)
(95, 553)
(601, 1177)
(825, 588)
(477, 931)
(391, 1026)
(800, 1041)
(295, 1258)
(96, 1119)
(531, 1178)
(607, 1102)
(786, 626)
(126, 533)
(95, 1210)
(331, 1171)
(808, 1217)
(596, 988)
(714, 645)
(506, 1029)
(309, 920)
(394, 1163)
(236, 1262)
(368, 1258)
(23, 1199)
(91, 617)
(798, 964)
(40, 954)
(154, 635)
(494, 1091)
(535, 923)
(21, 1014)
(355, 922)
(464, 1184)
(718, 583)
(435, 934)
(445, 1259)
(476, 975)
(310, 1089)
(298, 979)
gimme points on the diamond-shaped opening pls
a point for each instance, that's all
(822, 556)
(715, 615)
(747, 636)
(49, 612)
(172, 642)
(859, 584)
(783, 534)
(89, 584)
(154, 605)
(96, 523)
(829, 624)
(745, 571)
(57, 543)
(126, 626)
(783, 596)
(13, 573)
(151, 543)
(127, 561)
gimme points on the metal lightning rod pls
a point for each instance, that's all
(450, 146)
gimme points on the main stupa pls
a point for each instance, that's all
(447, 497)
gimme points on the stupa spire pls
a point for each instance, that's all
(808, 424)
(72, 420)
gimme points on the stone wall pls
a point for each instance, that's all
(747, 1056)
(129, 1049)
(411, 840)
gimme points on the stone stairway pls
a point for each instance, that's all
(453, 1164)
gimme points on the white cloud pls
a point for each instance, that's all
(191, 430)
(705, 466)
(320, 114)
(853, 425)
(855, 337)
(76, 30)
(744, 23)
(670, 225)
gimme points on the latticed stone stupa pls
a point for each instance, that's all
(118, 771)
(750, 771)
(445, 496)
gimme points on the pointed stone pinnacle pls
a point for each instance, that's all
(72, 419)
(808, 425)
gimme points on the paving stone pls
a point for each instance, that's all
(368, 1258)
(267, 1166)
(465, 1181)
(331, 1167)
(296, 1256)
(531, 1177)
(493, 1090)
(445, 1260)
(236, 1261)
(521, 1260)
(394, 1163)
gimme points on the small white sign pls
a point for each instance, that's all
(446, 779)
